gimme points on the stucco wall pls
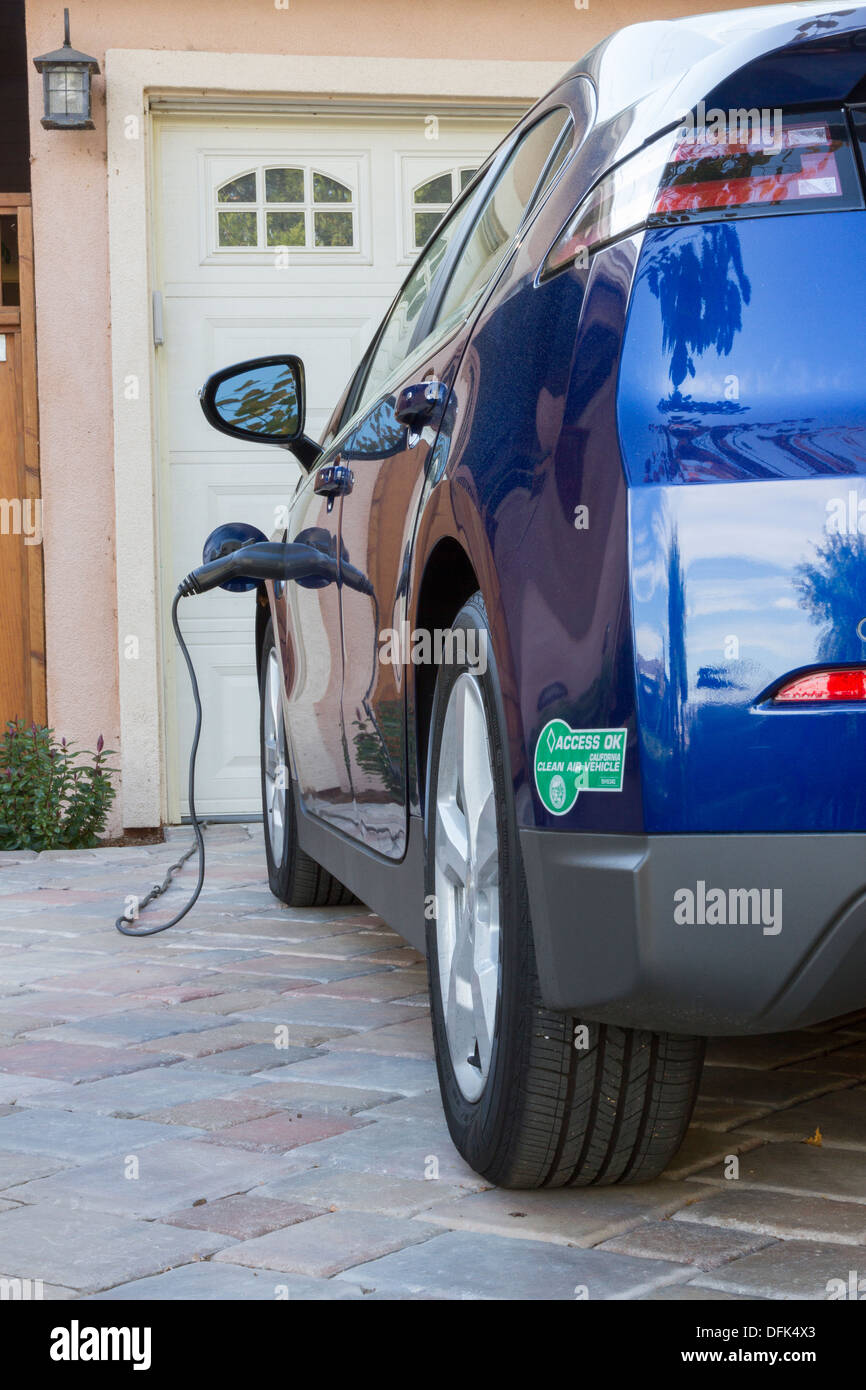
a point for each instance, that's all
(71, 257)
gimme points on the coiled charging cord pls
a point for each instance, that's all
(124, 924)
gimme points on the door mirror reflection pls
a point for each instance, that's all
(262, 399)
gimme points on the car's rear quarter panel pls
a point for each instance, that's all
(535, 438)
(742, 409)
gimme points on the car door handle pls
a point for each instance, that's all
(334, 480)
(417, 403)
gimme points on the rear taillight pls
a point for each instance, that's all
(848, 684)
(802, 163)
(701, 177)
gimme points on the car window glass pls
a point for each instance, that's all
(397, 335)
(494, 229)
(563, 150)
(502, 215)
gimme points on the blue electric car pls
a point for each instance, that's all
(577, 698)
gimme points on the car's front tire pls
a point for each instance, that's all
(532, 1097)
(294, 877)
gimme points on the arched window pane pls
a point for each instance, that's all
(326, 190)
(436, 190)
(242, 190)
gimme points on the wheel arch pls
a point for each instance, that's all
(448, 580)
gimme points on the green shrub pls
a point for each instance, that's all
(50, 796)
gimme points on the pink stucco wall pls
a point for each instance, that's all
(71, 256)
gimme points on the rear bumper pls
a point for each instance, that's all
(629, 930)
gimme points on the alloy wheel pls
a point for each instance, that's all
(466, 859)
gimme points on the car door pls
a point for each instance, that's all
(310, 638)
(398, 409)
(309, 612)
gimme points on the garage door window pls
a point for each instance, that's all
(432, 199)
(289, 205)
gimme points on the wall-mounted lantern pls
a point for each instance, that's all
(66, 76)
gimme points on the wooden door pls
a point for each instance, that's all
(22, 641)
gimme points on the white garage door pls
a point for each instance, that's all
(289, 234)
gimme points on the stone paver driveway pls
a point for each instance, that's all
(246, 1107)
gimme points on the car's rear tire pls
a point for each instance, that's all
(294, 877)
(532, 1097)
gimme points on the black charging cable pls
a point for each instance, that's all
(124, 924)
(261, 561)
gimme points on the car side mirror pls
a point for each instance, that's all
(262, 400)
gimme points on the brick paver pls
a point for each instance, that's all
(781, 1215)
(457, 1264)
(246, 1107)
(281, 1131)
(327, 1244)
(227, 1282)
(800, 1269)
(243, 1217)
(703, 1246)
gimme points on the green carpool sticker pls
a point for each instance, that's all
(569, 761)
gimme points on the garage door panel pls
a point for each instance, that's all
(216, 492)
(228, 768)
(204, 335)
(251, 262)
